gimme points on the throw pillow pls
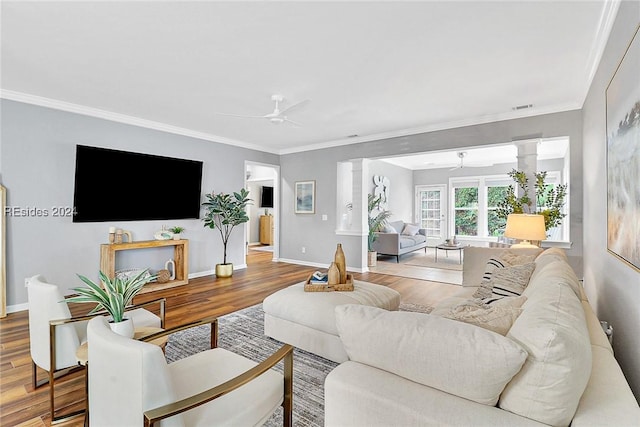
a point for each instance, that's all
(509, 281)
(493, 264)
(387, 228)
(410, 230)
(450, 356)
(514, 258)
(497, 318)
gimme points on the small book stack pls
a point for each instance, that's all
(319, 278)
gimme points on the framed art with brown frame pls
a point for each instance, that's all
(623, 157)
(305, 195)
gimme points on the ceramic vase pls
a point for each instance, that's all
(124, 328)
(341, 263)
(333, 274)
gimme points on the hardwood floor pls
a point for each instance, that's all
(21, 405)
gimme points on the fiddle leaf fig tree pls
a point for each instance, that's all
(549, 199)
(377, 217)
(224, 211)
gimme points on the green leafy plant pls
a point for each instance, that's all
(177, 229)
(548, 202)
(116, 295)
(377, 217)
(224, 211)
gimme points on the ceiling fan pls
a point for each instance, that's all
(461, 155)
(277, 116)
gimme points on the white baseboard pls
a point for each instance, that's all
(17, 307)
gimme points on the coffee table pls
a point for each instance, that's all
(447, 248)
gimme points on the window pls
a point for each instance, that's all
(466, 211)
(495, 225)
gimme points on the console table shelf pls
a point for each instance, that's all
(180, 257)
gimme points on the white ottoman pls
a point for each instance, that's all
(307, 319)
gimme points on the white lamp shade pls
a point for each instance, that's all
(525, 227)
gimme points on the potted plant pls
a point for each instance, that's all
(225, 211)
(377, 217)
(176, 232)
(548, 201)
(116, 295)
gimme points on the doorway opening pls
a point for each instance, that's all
(261, 233)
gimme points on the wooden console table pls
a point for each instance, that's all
(180, 257)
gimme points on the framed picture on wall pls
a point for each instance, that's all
(305, 193)
(623, 157)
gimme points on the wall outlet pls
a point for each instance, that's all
(325, 217)
(304, 250)
(26, 282)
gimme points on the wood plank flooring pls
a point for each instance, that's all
(21, 405)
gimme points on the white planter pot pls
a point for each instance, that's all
(124, 328)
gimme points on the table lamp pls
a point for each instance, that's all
(525, 227)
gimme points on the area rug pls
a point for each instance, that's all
(421, 259)
(243, 333)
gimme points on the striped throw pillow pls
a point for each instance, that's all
(509, 282)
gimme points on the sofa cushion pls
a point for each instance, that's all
(498, 317)
(387, 228)
(553, 330)
(397, 225)
(410, 230)
(453, 357)
(475, 260)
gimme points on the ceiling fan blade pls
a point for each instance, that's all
(239, 115)
(291, 121)
(296, 105)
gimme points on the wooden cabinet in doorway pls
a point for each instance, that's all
(266, 229)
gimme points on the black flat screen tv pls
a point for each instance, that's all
(114, 185)
(266, 197)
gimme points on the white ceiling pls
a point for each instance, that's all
(372, 69)
(553, 148)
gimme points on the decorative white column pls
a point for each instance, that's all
(527, 163)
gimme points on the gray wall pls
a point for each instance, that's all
(320, 165)
(401, 198)
(38, 166)
(612, 286)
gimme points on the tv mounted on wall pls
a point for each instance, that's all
(114, 185)
(266, 198)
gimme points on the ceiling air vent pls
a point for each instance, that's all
(522, 107)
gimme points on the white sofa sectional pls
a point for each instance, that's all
(554, 366)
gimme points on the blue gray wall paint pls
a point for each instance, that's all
(612, 286)
(38, 165)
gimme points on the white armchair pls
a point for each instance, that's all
(55, 335)
(130, 381)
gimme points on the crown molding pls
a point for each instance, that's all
(149, 124)
(437, 127)
(123, 118)
(605, 24)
